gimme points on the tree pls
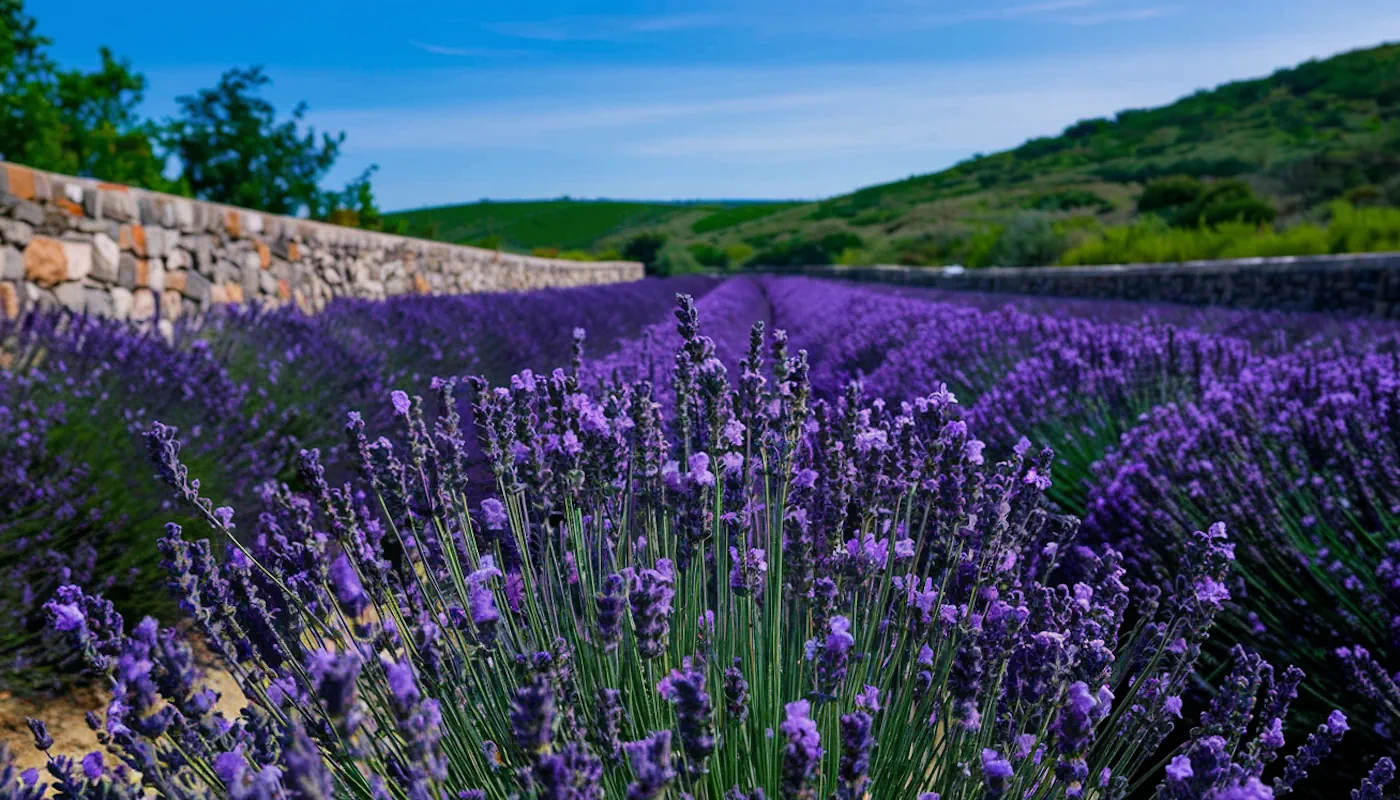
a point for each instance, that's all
(102, 133)
(29, 125)
(233, 149)
(644, 247)
(71, 121)
(355, 206)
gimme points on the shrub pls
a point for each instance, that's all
(1067, 200)
(644, 247)
(1349, 230)
(1170, 193)
(1027, 240)
(709, 255)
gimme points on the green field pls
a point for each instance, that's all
(1276, 153)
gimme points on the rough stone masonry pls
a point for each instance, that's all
(122, 252)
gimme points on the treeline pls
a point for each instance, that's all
(225, 144)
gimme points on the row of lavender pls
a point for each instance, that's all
(1164, 420)
(248, 390)
(710, 566)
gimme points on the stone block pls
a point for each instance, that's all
(196, 287)
(226, 271)
(72, 296)
(121, 302)
(171, 304)
(15, 232)
(143, 304)
(9, 301)
(45, 262)
(204, 252)
(233, 223)
(11, 264)
(99, 302)
(155, 274)
(106, 258)
(28, 213)
(133, 239)
(129, 268)
(267, 283)
(234, 292)
(79, 258)
(175, 280)
(264, 255)
(118, 203)
(19, 181)
(184, 215)
(179, 258)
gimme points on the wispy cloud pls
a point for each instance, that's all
(464, 52)
(838, 23)
(1122, 15)
(605, 28)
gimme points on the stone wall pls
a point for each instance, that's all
(1362, 283)
(118, 251)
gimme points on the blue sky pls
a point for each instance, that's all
(460, 100)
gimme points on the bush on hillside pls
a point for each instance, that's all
(644, 247)
(1152, 240)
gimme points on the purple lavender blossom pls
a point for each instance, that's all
(803, 753)
(651, 764)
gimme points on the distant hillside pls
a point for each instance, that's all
(1274, 153)
(565, 224)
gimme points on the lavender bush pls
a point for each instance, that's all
(1300, 454)
(750, 593)
(78, 505)
(249, 388)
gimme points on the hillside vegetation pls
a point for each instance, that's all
(1306, 160)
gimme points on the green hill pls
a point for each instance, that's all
(569, 225)
(1266, 160)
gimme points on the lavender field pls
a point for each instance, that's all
(779, 537)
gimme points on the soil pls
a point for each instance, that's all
(64, 715)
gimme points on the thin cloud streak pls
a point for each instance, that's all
(607, 28)
(1126, 15)
(464, 52)
(863, 24)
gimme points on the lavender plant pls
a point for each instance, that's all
(1300, 455)
(749, 593)
(76, 394)
(248, 388)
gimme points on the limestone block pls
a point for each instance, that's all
(79, 258)
(99, 302)
(11, 264)
(72, 296)
(143, 304)
(121, 302)
(45, 262)
(16, 232)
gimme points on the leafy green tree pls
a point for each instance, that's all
(102, 133)
(233, 148)
(30, 130)
(645, 247)
(71, 121)
(355, 206)
(708, 255)
(1170, 193)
